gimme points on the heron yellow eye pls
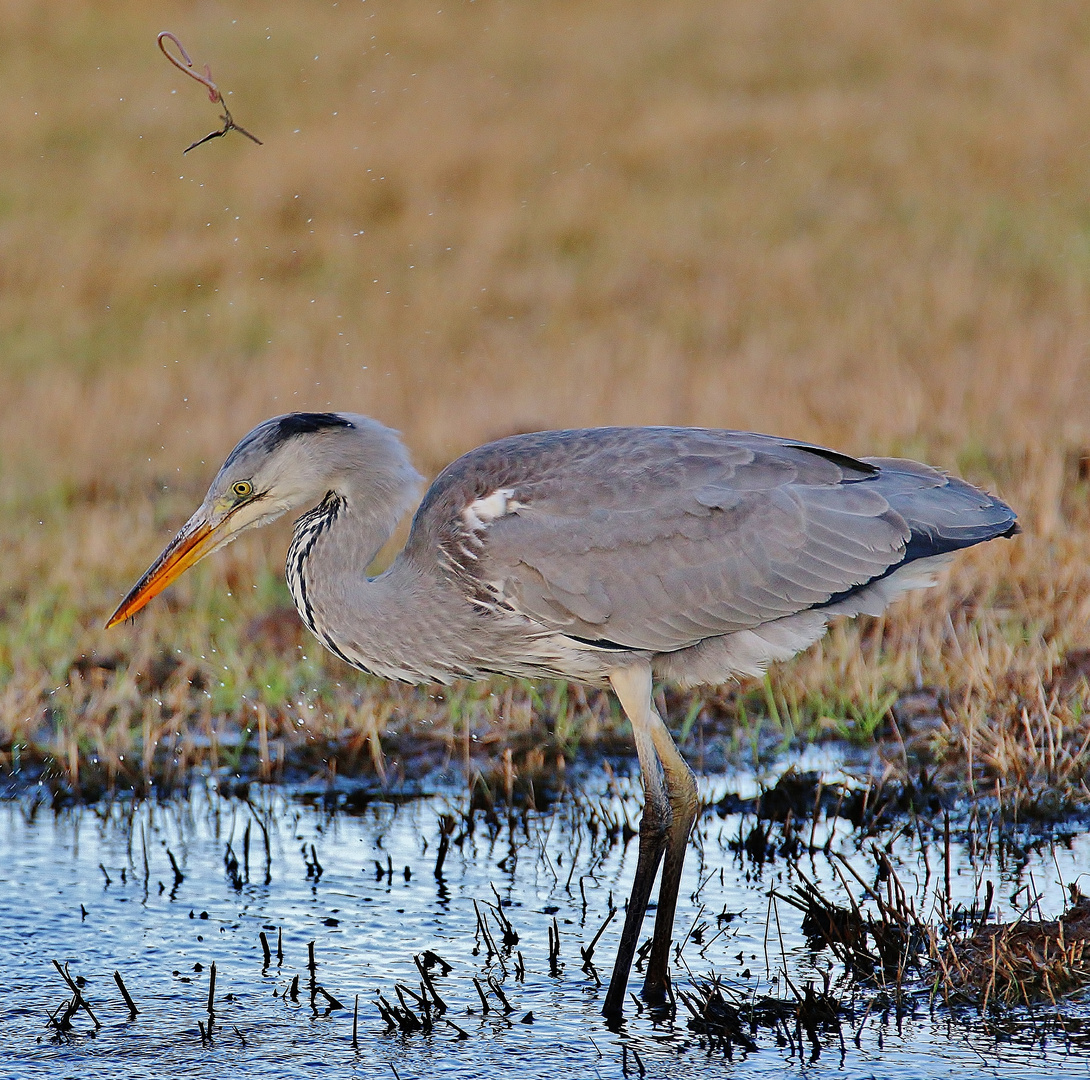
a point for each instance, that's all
(242, 489)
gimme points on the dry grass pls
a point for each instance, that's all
(883, 940)
(869, 229)
(1022, 962)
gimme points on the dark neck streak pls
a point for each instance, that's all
(332, 547)
(308, 529)
(359, 619)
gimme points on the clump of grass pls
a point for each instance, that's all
(1031, 756)
(1022, 962)
(886, 940)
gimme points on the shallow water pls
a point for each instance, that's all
(367, 923)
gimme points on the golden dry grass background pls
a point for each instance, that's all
(865, 225)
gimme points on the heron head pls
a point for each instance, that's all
(282, 464)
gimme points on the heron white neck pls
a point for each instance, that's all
(374, 484)
(365, 496)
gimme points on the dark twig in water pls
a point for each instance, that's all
(446, 828)
(355, 1022)
(588, 952)
(214, 94)
(179, 877)
(312, 967)
(420, 999)
(498, 991)
(78, 1000)
(211, 994)
(423, 1024)
(265, 838)
(384, 1009)
(946, 863)
(398, 1016)
(480, 994)
(549, 863)
(133, 1010)
(510, 935)
(265, 949)
(624, 1060)
(461, 1033)
(490, 944)
(230, 866)
(693, 932)
(425, 975)
(554, 948)
(432, 958)
(147, 869)
(60, 1027)
(315, 988)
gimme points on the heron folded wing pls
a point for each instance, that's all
(676, 570)
(657, 538)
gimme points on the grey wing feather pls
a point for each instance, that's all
(957, 516)
(658, 538)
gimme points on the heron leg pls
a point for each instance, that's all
(633, 688)
(682, 794)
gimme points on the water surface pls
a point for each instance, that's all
(94, 887)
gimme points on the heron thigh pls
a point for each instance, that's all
(632, 685)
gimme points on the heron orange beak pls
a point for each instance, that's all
(198, 537)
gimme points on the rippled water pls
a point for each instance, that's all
(377, 902)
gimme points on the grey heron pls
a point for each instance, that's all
(610, 556)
